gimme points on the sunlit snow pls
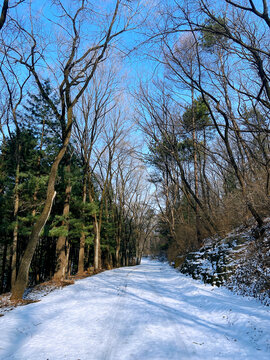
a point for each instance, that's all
(145, 312)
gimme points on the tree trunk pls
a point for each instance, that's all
(107, 259)
(138, 258)
(4, 260)
(97, 254)
(82, 238)
(16, 228)
(4, 13)
(195, 164)
(118, 239)
(62, 243)
(117, 250)
(97, 227)
(81, 254)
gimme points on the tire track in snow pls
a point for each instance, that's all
(122, 321)
(112, 343)
(176, 330)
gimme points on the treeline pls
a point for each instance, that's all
(72, 190)
(207, 119)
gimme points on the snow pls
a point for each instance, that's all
(239, 261)
(150, 311)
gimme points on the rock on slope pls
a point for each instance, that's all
(240, 261)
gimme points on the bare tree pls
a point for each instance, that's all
(91, 121)
(160, 122)
(220, 43)
(3, 13)
(113, 137)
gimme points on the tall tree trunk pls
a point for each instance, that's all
(23, 273)
(62, 242)
(68, 272)
(98, 221)
(97, 227)
(4, 13)
(117, 250)
(97, 252)
(16, 228)
(4, 261)
(38, 170)
(82, 238)
(118, 220)
(81, 254)
(195, 164)
(138, 257)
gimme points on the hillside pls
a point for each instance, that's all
(240, 261)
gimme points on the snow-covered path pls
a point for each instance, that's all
(145, 312)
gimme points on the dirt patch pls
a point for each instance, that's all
(6, 304)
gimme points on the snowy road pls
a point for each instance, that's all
(137, 313)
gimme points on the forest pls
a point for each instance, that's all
(128, 128)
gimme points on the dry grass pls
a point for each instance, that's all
(6, 304)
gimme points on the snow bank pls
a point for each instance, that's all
(239, 261)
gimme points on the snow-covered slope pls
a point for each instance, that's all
(144, 312)
(240, 261)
